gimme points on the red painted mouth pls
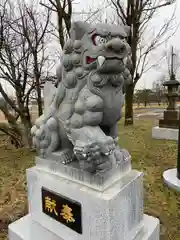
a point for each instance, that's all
(90, 60)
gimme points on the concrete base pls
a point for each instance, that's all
(170, 178)
(165, 133)
(26, 229)
(115, 213)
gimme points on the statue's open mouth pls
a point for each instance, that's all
(100, 59)
(90, 60)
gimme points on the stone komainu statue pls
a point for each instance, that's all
(83, 114)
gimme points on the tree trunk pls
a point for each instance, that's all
(37, 75)
(14, 133)
(27, 125)
(11, 128)
(39, 98)
(27, 133)
(129, 105)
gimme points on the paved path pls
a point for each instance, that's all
(152, 113)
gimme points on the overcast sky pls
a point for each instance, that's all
(165, 13)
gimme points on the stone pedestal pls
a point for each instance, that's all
(168, 126)
(112, 210)
(165, 133)
(170, 120)
(170, 178)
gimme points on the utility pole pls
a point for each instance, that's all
(172, 73)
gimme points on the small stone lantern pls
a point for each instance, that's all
(171, 93)
(171, 115)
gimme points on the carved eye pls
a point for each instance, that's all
(98, 40)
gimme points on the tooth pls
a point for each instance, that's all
(101, 60)
(106, 154)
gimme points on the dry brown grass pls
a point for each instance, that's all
(13, 202)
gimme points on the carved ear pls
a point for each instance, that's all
(78, 30)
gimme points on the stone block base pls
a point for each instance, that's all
(171, 115)
(26, 229)
(115, 213)
(163, 123)
(165, 133)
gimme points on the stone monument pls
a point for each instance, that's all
(82, 186)
(168, 126)
(171, 115)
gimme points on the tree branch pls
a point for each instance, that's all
(9, 101)
(160, 6)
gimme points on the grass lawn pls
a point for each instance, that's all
(150, 156)
(153, 157)
(13, 201)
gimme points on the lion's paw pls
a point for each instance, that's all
(45, 136)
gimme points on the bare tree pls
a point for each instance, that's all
(63, 10)
(22, 58)
(11, 127)
(138, 14)
(64, 14)
(34, 29)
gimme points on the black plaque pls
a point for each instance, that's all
(62, 209)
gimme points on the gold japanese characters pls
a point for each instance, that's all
(50, 205)
(67, 214)
(63, 210)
